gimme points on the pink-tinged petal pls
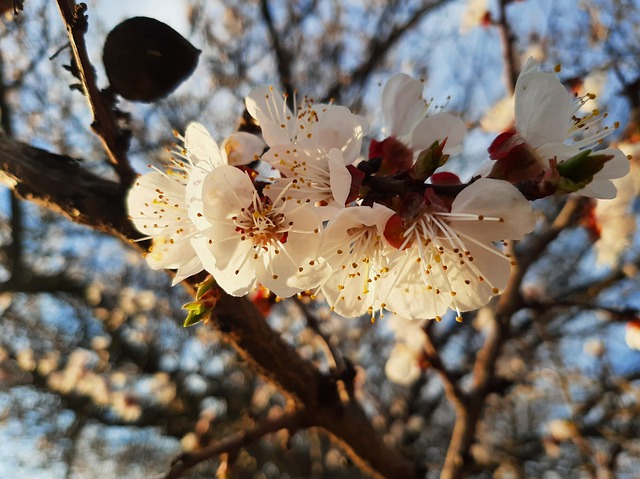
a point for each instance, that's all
(402, 105)
(437, 128)
(543, 107)
(500, 210)
(340, 177)
(202, 148)
(242, 148)
(267, 105)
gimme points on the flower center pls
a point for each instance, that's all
(262, 223)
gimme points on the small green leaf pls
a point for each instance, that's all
(196, 306)
(193, 318)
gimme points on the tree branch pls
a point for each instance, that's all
(291, 420)
(509, 56)
(377, 50)
(283, 58)
(105, 124)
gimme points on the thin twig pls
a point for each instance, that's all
(508, 47)
(105, 124)
(377, 51)
(283, 57)
(231, 444)
(332, 354)
(452, 389)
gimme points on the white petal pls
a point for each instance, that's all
(201, 147)
(437, 128)
(242, 148)
(227, 262)
(616, 167)
(170, 251)
(555, 151)
(602, 189)
(337, 127)
(407, 292)
(224, 191)
(267, 105)
(305, 236)
(494, 269)
(542, 107)
(152, 201)
(402, 105)
(193, 266)
(312, 276)
(276, 267)
(352, 290)
(340, 177)
(489, 198)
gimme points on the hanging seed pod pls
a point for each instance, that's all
(145, 59)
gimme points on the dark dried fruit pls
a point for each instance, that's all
(145, 59)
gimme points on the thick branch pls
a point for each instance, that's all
(61, 184)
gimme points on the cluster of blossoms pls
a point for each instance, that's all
(391, 231)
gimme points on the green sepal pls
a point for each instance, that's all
(583, 166)
(205, 286)
(429, 161)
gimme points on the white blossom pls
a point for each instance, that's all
(546, 120)
(404, 112)
(448, 259)
(310, 147)
(355, 248)
(158, 200)
(246, 238)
